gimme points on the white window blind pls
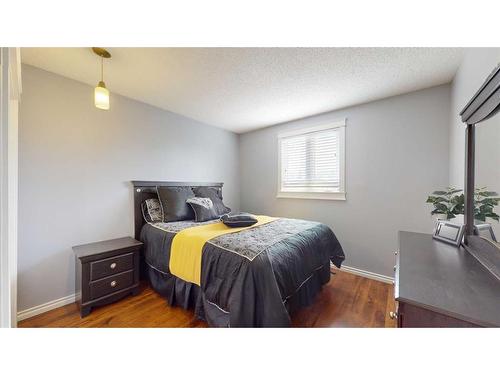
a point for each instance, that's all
(312, 161)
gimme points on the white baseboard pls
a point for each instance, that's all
(44, 307)
(368, 274)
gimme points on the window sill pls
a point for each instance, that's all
(305, 195)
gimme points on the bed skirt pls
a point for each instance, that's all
(190, 296)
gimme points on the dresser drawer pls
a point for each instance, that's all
(111, 284)
(111, 266)
(410, 316)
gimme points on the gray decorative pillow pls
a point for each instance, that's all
(151, 210)
(215, 195)
(173, 202)
(203, 208)
(238, 221)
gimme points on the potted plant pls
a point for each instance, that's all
(450, 202)
(447, 203)
(484, 204)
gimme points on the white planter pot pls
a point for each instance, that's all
(439, 217)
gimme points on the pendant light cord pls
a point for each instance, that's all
(102, 68)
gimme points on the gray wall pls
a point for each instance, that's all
(476, 66)
(75, 166)
(396, 154)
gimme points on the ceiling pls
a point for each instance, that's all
(242, 89)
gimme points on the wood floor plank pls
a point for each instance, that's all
(391, 306)
(348, 300)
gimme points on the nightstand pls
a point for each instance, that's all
(106, 271)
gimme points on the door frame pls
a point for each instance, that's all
(10, 93)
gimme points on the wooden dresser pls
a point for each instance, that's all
(440, 285)
(106, 271)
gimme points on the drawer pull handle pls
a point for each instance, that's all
(393, 315)
(112, 266)
(394, 268)
(395, 253)
(113, 283)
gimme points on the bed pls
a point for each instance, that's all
(256, 277)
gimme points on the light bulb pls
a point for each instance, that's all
(101, 96)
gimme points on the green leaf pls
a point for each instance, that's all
(439, 192)
(485, 209)
(487, 193)
(492, 215)
(433, 199)
(480, 217)
(490, 202)
(441, 207)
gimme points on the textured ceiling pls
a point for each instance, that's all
(241, 89)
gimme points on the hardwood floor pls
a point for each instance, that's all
(346, 301)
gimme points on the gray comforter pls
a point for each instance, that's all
(248, 278)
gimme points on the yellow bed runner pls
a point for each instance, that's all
(187, 247)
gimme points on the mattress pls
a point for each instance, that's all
(253, 278)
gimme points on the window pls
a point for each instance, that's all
(311, 163)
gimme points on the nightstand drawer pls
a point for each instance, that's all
(105, 272)
(111, 284)
(111, 266)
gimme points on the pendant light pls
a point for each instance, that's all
(101, 93)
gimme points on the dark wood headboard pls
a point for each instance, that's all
(147, 189)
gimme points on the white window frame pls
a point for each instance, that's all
(341, 194)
